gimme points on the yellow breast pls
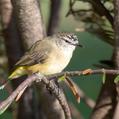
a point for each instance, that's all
(55, 63)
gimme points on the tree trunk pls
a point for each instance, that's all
(29, 21)
(107, 106)
(106, 101)
(116, 29)
(54, 16)
(11, 36)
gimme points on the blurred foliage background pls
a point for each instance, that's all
(95, 34)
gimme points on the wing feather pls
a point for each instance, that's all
(38, 53)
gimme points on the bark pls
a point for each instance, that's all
(29, 21)
(106, 101)
(116, 29)
(54, 16)
(50, 105)
(11, 36)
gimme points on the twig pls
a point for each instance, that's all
(97, 6)
(75, 112)
(70, 11)
(78, 73)
(101, 10)
(81, 95)
(88, 101)
(14, 94)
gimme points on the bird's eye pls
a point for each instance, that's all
(66, 41)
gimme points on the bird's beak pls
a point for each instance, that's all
(79, 45)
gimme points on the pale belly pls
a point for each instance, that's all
(52, 65)
(56, 67)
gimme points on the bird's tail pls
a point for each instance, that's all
(20, 71)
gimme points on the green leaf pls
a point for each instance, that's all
(116, 79)
(103, 77)
(62, 78)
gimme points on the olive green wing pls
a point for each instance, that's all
(37, 54)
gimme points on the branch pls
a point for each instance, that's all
(40, 79)
(76, 114)
(79, 93)
(88, 101)
(116, 30)
(48, 83)
(116, 113)
(97, 6)
(70, 11)
(78, 73)
(102, 10)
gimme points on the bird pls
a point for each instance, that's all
(47, 56)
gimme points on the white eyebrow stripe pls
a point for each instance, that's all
(70, 36)
(66, 38)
